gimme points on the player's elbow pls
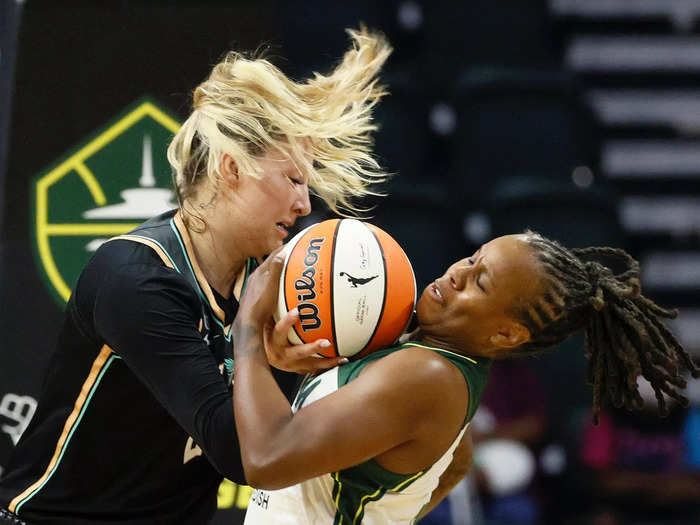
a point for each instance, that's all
(260, 479)
(264, 472)
(261, 476)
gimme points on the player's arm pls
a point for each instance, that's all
(148, 315)
(397, 400)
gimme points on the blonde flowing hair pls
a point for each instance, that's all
(247, 107)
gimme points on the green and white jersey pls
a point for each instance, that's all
(367, 493)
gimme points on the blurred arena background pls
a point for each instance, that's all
(576, 118)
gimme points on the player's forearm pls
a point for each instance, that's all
(262, 412)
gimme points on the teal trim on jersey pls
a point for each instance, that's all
(194, 277)
(250, 265)
(189, 265)
(72, 431)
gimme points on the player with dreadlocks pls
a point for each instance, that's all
(374, 440)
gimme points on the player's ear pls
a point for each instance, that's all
(510, 334)
(229, 170)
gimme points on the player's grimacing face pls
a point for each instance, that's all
(472, 301)
(274, 202)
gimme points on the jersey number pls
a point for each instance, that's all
(192, 450)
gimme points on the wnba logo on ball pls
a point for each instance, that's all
(308, 312)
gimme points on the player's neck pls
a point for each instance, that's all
(439, 342)
(219, 261)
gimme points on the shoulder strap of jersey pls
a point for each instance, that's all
(167, 261)
(474, 369)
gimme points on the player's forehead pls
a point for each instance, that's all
(507, 252)
(511, 265)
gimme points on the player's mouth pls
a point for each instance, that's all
(435, 293)
(282, 228)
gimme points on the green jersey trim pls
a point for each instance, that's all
(357, 486)
(307, 386)
(354, 488)
(474, 369)
(441, 350)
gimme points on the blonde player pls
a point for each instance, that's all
(135, 423)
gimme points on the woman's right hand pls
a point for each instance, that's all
(301, 359)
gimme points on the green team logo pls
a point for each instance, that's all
(106, 187)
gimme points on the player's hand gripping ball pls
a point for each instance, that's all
(352, 284)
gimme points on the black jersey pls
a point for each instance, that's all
(135, 420)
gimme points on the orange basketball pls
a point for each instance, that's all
(352, 284)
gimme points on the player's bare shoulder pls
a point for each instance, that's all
(423, 372)
(433, 395)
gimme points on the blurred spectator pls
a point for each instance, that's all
(644, 468)
(507, 430)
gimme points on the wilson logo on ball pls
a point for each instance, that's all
(308, 311)
(364, 306)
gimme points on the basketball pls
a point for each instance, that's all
(352, 284)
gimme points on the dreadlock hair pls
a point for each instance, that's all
(625, 336)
